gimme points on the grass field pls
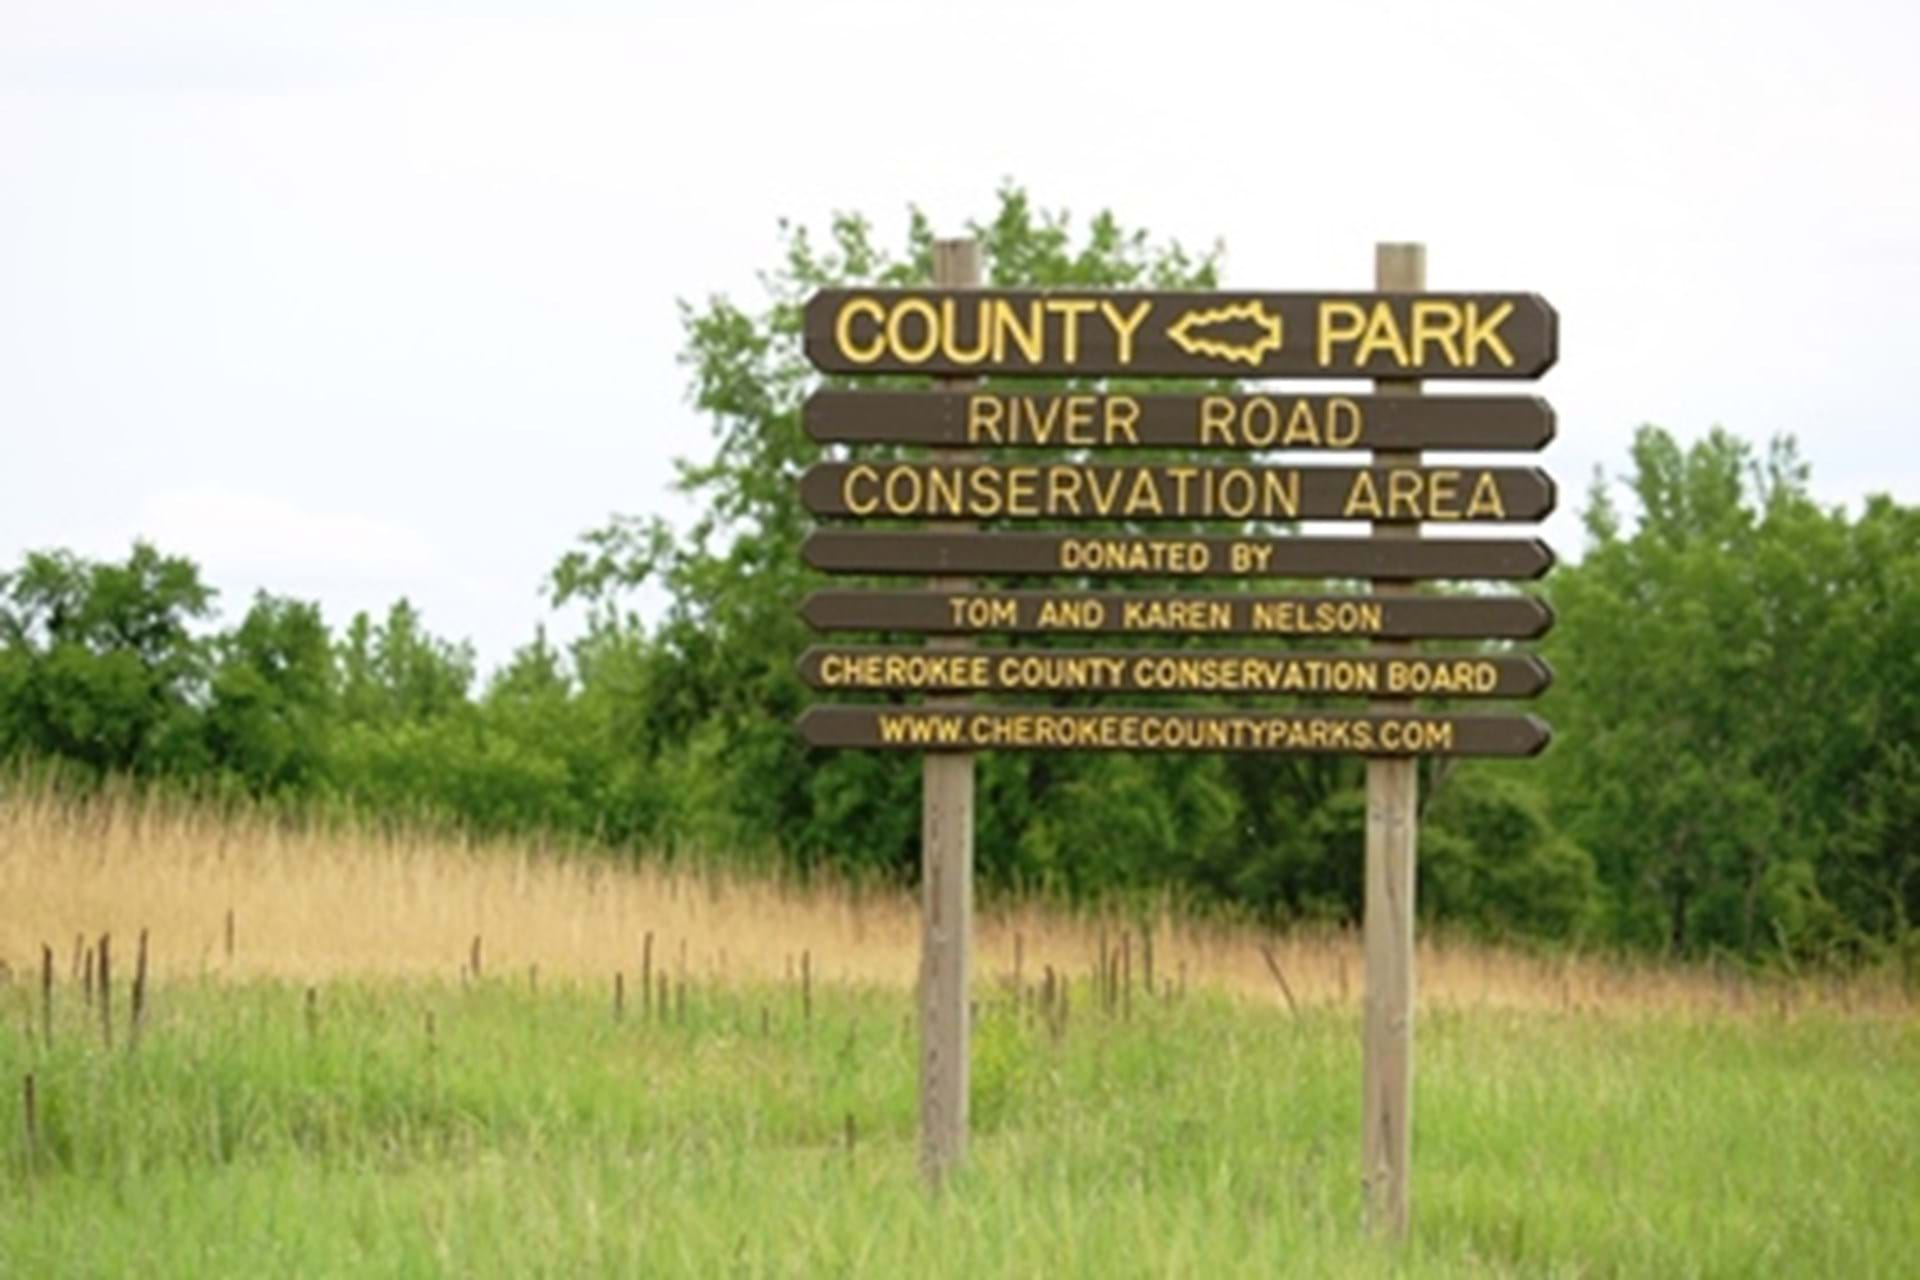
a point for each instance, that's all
(342, 1094)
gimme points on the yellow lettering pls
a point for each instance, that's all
(859, 506)
(1363, 500)
(950, 329)
(902, 491)
(1282, 496)
(859, 353)
(1485, 332)
(1145, 495)
(1079, 417)
(943, 491)
(1403, 494)
(1486, 502)
(1063, 489)
(1023, 485)
(1383, 333)
(1216, 417)
(897, 329)
(1343, 423)
(1301, 427)
(1339, 322)
(1439, 323)
(1123, 415)
(984, 415)
(1006, 325)
(1070, 310)
(1124, 326)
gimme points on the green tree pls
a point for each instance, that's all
(1729, 699)
(272, 705)
(100, 664)
(721, 689)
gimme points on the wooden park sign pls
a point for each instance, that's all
(1113, 420)
(1083, 491)
(1208, 335)
(1188, 556)
(1396, 335)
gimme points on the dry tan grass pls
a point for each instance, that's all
(314, 904)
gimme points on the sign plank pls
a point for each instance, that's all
(879, 551)
(1254, 335)
(1086, 491)
(1042, 729)
(1112, 420)
(1150, 613)
(1172, 671)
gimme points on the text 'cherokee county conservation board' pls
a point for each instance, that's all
(1341, 335)
(876, 668)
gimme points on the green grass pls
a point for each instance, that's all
(529, 1134)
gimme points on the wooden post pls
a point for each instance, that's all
(106, 990)
(946, 862)
(46, 994)
(1392, 836)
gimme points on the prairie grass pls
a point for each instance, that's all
(432, 1128)
(307, 904)
(344, 1093)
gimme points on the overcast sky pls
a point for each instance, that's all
(350, 301)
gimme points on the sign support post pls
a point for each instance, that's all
(946, 859)
(1393, 793)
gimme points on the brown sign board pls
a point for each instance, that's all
(1211, 335)
(1172, 671)
(883, 551)
(1150, 613)
(1173, 491)
(1050, 729)
(1114, 420)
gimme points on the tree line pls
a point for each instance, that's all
(1736, 703)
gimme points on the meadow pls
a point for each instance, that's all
(367, 1053)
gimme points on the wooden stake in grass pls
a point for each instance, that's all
(619, 995)
(313, 1012)
(32, 1122)
(106, 990)
(646, 974)
(806, 987)
(137, 1014)
(86, 976)
(1273, 967)
(79, 951)
(1146, 957)
(46, 994)
(229, 937)
(474, 957)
